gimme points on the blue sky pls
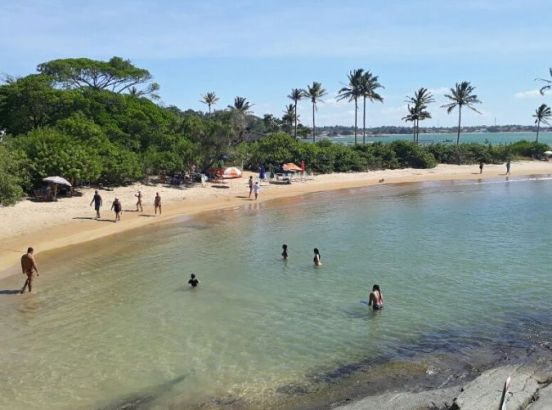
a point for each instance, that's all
(262, 49)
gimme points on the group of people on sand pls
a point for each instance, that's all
(117, 207)
(375, 299)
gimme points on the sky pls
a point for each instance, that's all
(262, 49)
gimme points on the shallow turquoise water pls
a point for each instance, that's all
(114, 320)
(481, 137)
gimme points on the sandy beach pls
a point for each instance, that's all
(69, 221)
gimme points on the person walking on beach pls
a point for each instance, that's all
(97, 200)
(193, 282)
(481, 167)
(250, 183)
(256, 189)
(376, 298)
(316, 259)
(139, 202)
(157, 203)
(117, 208)
(508, 164)
(284, 252)
(28, 267)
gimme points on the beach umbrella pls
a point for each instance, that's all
(232, 172)
(548, 153)
(57, 181)
(290, 166)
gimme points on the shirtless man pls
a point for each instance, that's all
(139, 202)
(376, 298)
(117, 208)
(28, 267)
(97, 201)
(157, 203)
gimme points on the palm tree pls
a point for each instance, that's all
(241, 105)
(411, 116)
(210, 99)
(418, 109)
(460, 95)
(548, 85)
(290, 117)
(352, 91)
(369, 85)
(315, 92)
(296, 95)
(542, 115)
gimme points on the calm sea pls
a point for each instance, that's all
(462, 265)
(481, 137)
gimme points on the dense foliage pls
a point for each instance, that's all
(87, 121)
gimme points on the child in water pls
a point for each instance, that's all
(193, 282)
(284, 252)
(376, 298)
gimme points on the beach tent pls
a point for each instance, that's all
(548, 153)
(291, 167)
(231, 172)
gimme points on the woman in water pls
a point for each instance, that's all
(316, 259)
(376, 298)
(284, 252)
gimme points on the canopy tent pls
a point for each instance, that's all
(548, 153)
(232, 172)
(291, 167)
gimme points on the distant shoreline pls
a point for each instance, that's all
(54, 225)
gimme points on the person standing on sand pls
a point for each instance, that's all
(316, 259)
(481, 167)
(139, 202)
(284, 252)
(97, 200)
(117, 208)
(256, 189)
(250, 183)
(157, 203)
(508, 164)
(376, 298)
(28, 267)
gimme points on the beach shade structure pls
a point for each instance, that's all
(55, 181)
(232, 172)
(548, 153)
(291, 167)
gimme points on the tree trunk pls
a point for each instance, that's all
(364, 122)
(459, 124)
(313, 125)
(417, 131)
(538, 129)
(295, 120)
(356, 112)
(414, 132)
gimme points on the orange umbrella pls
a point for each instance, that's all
(290, 166)
(232, 172)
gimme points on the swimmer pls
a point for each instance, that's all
(316, 259)
(193, 282)
(376, 298)
(28, 267)
(284, 252)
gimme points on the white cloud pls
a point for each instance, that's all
(527, 94)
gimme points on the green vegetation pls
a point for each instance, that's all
(542, 116)
(94, 122)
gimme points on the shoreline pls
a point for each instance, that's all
(55, 225)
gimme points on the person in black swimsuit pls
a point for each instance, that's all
(376, 298)
(193, 282)
(117, 208)
(284, 252)
(316, 259)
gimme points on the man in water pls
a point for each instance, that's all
(28, 267)
(97, 200)
(117, 208)
(256, 189)
(193, 282)
(157, 203)
(139, 202)
(284, 252)
(376, 298)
